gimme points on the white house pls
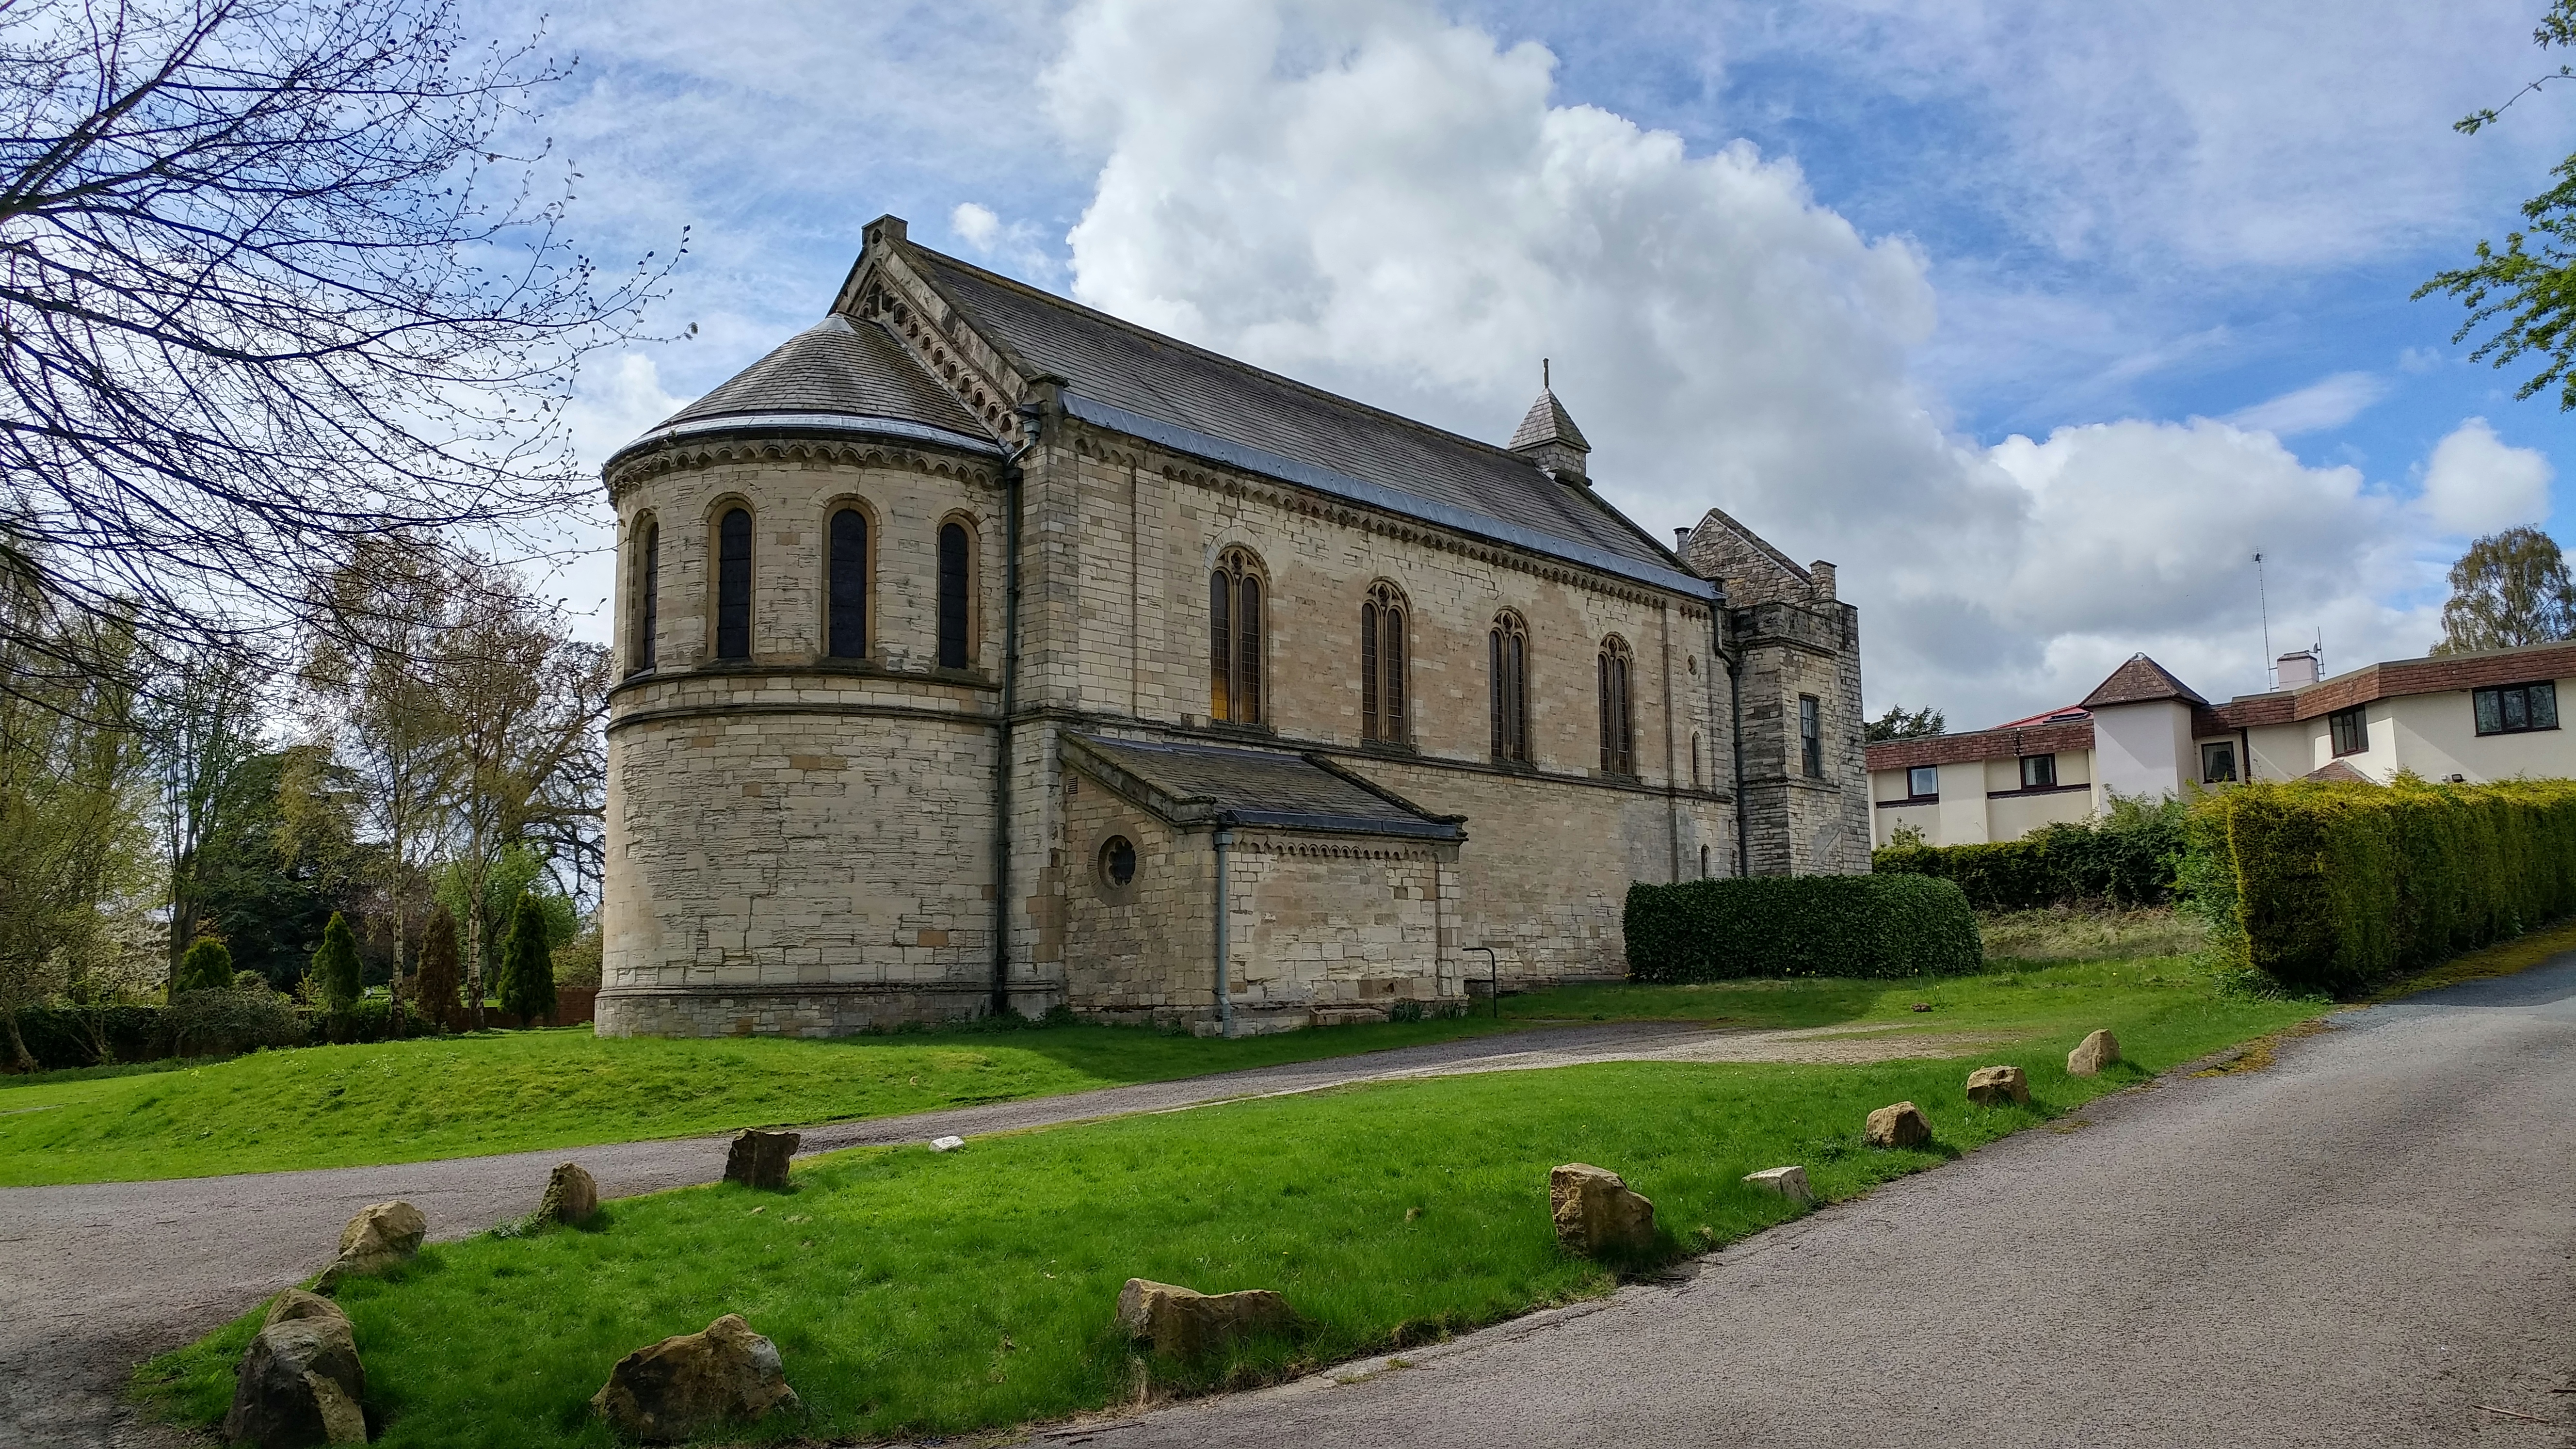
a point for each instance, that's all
(2463, 717)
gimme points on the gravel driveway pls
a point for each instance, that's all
(2372, 1243)
(95, 1278)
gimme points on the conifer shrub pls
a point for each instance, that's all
(1806, 925)
(2332, 887)
(436, 987)
(335, 965)
(207, 965)
(528, 963)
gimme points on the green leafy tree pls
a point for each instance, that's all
(2526, 290)
(1901, 724)
(528, 963)
(335, 965)
(2508, 590)
(442, 968)
(207, 966)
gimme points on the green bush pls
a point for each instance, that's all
(528, 963)
(1806, 925)
(2332, 887)
(91, 1036)
(228, 1022)
(2129, 857)
(439, 983)
(207, 965)
(335, 964)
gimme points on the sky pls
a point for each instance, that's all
(2039, 321)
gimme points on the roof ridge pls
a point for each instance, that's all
(1166, 339)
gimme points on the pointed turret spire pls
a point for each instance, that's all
(1548, 437)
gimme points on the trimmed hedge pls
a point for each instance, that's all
(2336, 886)
(204, 1023)
(2130, 858)
(1802, 925)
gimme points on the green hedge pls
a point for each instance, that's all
(2331, 887)
(1805, 925)
(2130, 857)
(204, 1023)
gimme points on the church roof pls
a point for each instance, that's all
(1547, 422)
(1212, 784)
(2140, 681)
(835, 372)
(1143, 375)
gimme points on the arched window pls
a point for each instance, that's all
(956, 576)
(1382, 621)
(1507, 676)
(733, 584)
(646, 565)
(846, 622)
(1234, 639)
(1618, 749)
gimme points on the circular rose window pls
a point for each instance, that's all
(1118, 862)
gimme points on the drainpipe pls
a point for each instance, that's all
(1735, 722)
(1011, 480)
(1224, 999)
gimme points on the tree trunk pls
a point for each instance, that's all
(18, 1053)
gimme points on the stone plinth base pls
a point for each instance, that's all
(785, 1009)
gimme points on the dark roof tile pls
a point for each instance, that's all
(1261, 788)
(2140, 681)
(840, 368)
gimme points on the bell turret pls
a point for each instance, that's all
(1549, 438)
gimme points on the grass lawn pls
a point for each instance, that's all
(913, 1292)
(412, 1101)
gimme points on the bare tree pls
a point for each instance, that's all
(203, 723)
(276, 276)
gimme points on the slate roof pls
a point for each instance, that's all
(1547, 422)
(1201, 783)
(835, 369)
(2336, 772)
(1172, 382)
(2140, 681)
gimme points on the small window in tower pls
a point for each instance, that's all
(1811, 737)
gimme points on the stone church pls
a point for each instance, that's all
(984, 652)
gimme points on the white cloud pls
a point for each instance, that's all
(2477, 483)
(976, 224)
(1388, 203)
(2328, 403)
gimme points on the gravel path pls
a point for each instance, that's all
(96, 1277)
(2371, 1243)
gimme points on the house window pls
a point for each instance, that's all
(648, 594)
(1618, 750)
(846, 632)
(1923, 781)
(1507, 682)
(1382, 664)
(1234, 639)
(2351, 730)
(1811, 737)
(956, 592)
(2218, 762)
(2513, 709)
(733, 584)
(2039, 772)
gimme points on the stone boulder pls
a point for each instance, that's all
(572, 1195)
(376, 1239)
(759, 1159)
(1184, 1323)
(2097, 1051)
(1789, 1182)
(1901, 1124)
(1998, 1087)
(693, 1382)
(1596, 1214)
(299, 1383)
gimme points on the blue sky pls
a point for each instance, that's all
(2036, 319)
